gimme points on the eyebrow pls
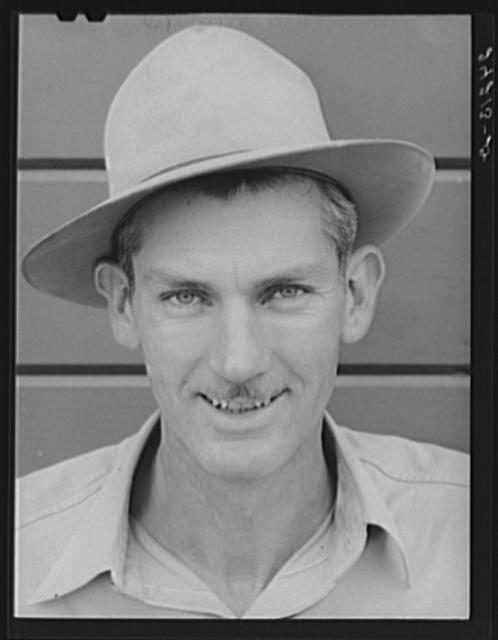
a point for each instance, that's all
(173, 280)
(176, 280)
(299, 273)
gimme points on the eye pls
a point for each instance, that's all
(285, 293)
(182, 298)
(288, 292)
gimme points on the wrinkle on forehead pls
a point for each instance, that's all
(171, 277)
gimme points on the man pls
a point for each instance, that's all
(238, 249)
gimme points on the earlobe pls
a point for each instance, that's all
(364, 277)
(112, 283)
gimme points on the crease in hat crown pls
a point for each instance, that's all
(206, 92)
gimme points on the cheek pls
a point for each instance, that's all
(315, 331)
(171, 349)
(310, 346)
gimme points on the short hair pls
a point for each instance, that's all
(339, 216)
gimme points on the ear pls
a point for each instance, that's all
(364, 276)
(112, 283)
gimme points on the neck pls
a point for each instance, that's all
(234, 535)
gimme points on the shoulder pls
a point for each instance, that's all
(60, 486)
(401, 460)
(52, 504)
(426, 489)
(415, 479)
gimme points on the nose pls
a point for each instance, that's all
(238, 352)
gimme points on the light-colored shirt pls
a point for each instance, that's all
(396, 545)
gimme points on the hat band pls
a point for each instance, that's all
(194, 161)
(296, 170)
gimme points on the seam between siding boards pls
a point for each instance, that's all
(442, 163)
(343, 369)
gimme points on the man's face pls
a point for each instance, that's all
(239, 306)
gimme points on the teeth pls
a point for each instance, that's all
(237, 407)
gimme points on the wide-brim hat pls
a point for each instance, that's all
(212, 99)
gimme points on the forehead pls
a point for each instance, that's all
(249, 229)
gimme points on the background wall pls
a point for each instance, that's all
(402, 77)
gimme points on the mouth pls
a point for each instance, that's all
(238, 406)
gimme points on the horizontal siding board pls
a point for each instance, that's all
(51, 199)
(55, 422)
(423, 311)
(379, 76)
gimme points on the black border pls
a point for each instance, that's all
(483, 367)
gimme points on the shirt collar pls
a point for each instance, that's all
(358, 496)
(103, 536)
(102, 539)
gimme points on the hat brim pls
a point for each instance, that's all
(389, 180)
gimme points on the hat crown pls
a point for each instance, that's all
(207, 92)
